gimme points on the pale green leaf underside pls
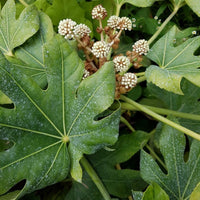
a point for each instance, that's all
(182, 177)
(174, 62)
(194, 5)
(138, 3)
(196, 193)
(41, 119)
(14, 32)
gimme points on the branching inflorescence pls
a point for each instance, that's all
(98, 52)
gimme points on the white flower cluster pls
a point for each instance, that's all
(70, 30)
(81, 30)
(141, 47)
(121, 63)
(86, 74)
(113, 21)
(100, 49)
(66, 27)
(129, 80)
(123, 23)
(99, 12)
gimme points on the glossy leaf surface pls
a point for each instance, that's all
(14, 32)
(182, 177)
(44, 120)
(174, 62)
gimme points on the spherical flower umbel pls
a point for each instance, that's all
(81, 30)
(113, 21)
(129, 80)
(141, 47)
(100, 49)
(66, 27)
(124, 24)
(99, 12)
(121, 63)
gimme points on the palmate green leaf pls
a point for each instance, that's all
(174, 62)
(30, 56)
(138, 3)
(194, 5)
(182, 177)
(14, 33)
(120, 182)
(153, 192)
(187, 103)
(43, 121)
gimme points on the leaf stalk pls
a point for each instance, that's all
(93, 175)
(161, 118)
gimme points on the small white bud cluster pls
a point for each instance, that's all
(86, 74)
(66, 27)
(113, 21)
(123, 23)
(141, 47)
(121, 63)
(99, 12)
(81, 30)
(100, 49)
(129, 80)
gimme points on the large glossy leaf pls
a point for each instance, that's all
(53, 128)
(182, 177)
(14, 32)
(175, 62)
(120, 182)
(194, 5)
(187, 103)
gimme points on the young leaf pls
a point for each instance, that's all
(182, 177)
(174, 62)
(120, 182)
(153, 192)
(187, 103)
(196, 193)
(44, 121)
(14, 32)
(194, 5)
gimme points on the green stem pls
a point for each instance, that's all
(163, 25)
(156, 156)
(141, 79)
(140, 74)
(118, 7)
(161, 118)
(88, 168)
(23, 3)
(123, 120)
(163, 111)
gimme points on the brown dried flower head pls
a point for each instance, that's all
(66, 27)
(99, 12)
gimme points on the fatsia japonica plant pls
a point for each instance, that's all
(99, 100)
